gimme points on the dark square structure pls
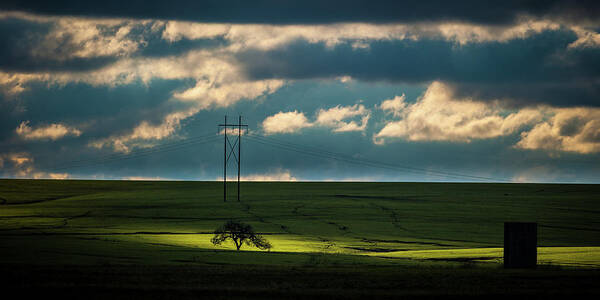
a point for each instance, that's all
(520, 245)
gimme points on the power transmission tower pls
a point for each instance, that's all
(226, 156)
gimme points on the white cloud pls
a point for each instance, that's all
(464, 33)
(52, 131)
(79, 37)
(52, 176)
(538, 174)
(394, 105)
(12, 84)
(285, 122)
(277, 175)
(356, 179)
(207, 93)
(585, 38)
(233, 131)
(146, 178)
(177, 30)
(170, 123)
(17, 158)
(144, 132)
(568, 129)
(345, 79)
(90, 38)
(266, 37)
(338, 118)
(439, 116)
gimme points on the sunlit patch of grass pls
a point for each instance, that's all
(570, 256)
(460, 255)
(280, 242)
(196, 241)
(283, 243)
(564, 256)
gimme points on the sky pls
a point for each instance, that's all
(500, 91)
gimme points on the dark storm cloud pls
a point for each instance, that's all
(538, 69)
(565, 94)
(317, 11)
(20, 39)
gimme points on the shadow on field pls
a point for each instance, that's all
(273, 282)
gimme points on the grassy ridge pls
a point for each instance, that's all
(308, 223)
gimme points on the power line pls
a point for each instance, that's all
(137, 154)
(314, 151)
(134, 152)
(332, 157)
(272, 142)
(389, 165)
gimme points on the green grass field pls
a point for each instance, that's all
(309, 224)
(151, 240)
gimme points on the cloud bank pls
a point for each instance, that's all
(568, 129)
(438, 116)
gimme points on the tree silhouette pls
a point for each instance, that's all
(239, 233)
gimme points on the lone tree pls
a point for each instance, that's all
(239, 233)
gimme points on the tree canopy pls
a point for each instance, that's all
(240, 234)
